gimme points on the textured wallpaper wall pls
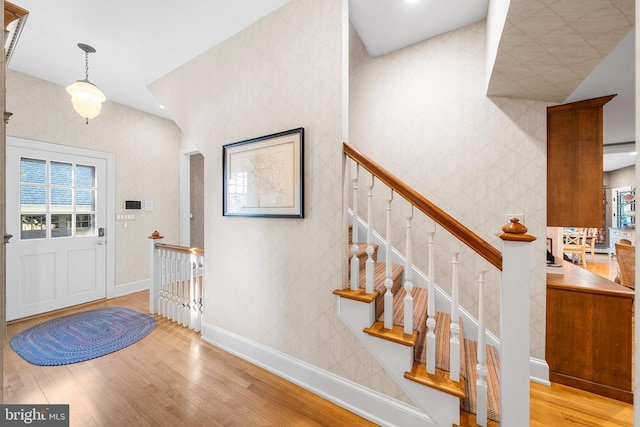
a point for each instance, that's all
(423, 114)
(271, 280)
(146, 155)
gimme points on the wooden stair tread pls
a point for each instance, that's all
(443, 320)
(493, 381)
(379, 278)
(359, 295)
(395, 334)
(440, 380)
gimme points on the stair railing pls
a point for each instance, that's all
(176, 275)
(514, 267)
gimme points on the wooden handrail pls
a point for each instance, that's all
(181, 249)
(446, 221)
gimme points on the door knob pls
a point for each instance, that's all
(7, 237)
(101, 242)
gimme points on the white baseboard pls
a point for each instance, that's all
(130, 288)
(351, 396)
(369, 404)
(539, 371)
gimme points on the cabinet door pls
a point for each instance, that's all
(574, 164)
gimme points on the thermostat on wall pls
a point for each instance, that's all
(132, 204)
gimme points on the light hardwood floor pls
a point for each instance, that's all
(173, 378)
(603, 266)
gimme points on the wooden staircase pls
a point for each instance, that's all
(463, 389)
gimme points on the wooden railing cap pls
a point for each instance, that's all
(440, 217)
(181, 249)
(515, 231)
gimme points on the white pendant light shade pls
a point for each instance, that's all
(86, 98)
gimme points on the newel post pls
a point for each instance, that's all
(154, 271)
(515, 326)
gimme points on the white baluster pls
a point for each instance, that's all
(408, 284)
(177, 298)
(174, 286)
(192, 292)
(199, 294)
(454, 347)
(186, 279)
(165, 279)
(355, 262)
(167, 293)
(431, 305)
(388, 296)
(481, 382)
(370, 264)
(169, 312)
(159, 307)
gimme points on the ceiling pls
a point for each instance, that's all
(138, 42)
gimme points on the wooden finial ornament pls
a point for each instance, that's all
(515, 231)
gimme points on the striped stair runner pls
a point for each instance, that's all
(467, 390)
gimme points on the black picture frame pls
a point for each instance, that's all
(264, 176)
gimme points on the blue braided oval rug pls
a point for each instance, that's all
(81, 336)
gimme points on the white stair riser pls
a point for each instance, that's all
(396, 359)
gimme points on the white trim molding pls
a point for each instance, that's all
(185, 194)
(539, 371)
(369, 404)
(132, 287)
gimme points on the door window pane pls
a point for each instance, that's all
(33, 171)
(33, 199)
(85, 225)
(85, 200)
(61, 174)
(61, 225)
(85, 176)
(33, 227)
(61, 199)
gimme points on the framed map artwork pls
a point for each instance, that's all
(264, 176)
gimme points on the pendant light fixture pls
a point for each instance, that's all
(86, 98)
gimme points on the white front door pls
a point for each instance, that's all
(56, 211)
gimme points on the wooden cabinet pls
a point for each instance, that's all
(589, 333)
(574, 164)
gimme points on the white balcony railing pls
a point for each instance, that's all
(176, 290)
